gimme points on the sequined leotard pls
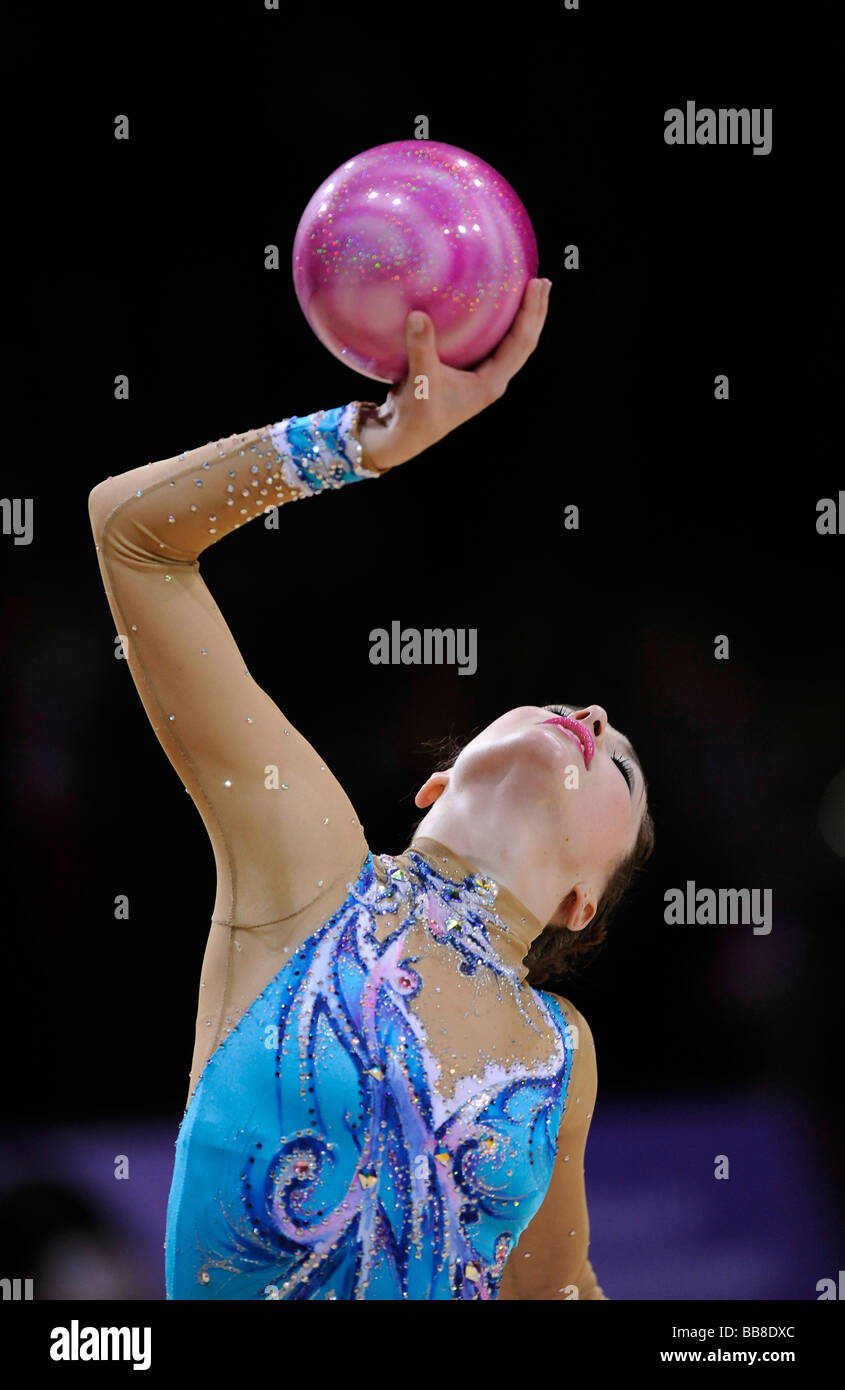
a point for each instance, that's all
(383, 1108)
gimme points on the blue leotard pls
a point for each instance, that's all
(316, 1159)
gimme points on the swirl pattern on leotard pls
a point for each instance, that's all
(353, 1174)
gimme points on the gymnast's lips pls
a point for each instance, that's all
(582, 736)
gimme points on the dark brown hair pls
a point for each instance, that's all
(557, 951)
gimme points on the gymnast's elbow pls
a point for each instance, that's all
(100, 504)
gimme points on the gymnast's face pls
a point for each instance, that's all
(575, 796)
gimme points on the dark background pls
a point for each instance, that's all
(698, 518)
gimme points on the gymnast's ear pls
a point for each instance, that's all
(576, 911)
(432, 789)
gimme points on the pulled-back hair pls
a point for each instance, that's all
(557, 951)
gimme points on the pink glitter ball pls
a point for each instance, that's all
(414, 224)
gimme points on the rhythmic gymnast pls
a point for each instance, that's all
(384, 1104)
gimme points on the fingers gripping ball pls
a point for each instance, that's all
(414, 224)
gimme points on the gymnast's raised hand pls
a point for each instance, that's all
(433, 399)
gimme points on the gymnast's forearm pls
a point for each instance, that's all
(171, 510)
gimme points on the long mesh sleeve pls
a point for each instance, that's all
(284, 833)
(550, 1260)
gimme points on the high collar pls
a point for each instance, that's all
(513, 928)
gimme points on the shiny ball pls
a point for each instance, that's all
(413, 224)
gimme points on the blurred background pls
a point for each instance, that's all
(698, 519)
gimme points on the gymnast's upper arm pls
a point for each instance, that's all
(550, 1259)
(281, 825)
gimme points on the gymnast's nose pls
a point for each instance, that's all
(594, 717)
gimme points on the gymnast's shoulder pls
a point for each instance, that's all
(580, 1028)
